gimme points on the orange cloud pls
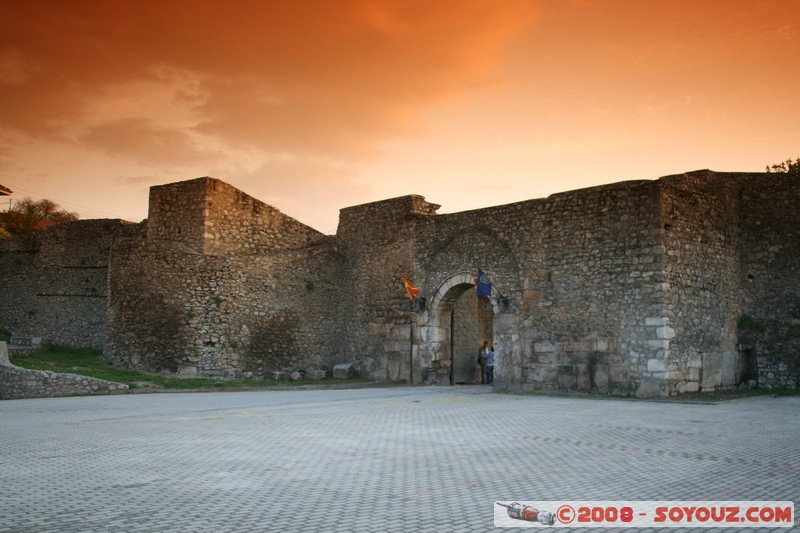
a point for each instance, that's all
(304, 77)
(141, 141)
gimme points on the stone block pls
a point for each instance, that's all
(649, 389)
(529, 295)
(344, 371)
(27, 341)
(542, 373)
(4, 354)
(656, 321)
(188, 371)
(574, 346)
(567, 377)
(600, 377)
(315, 374)
(601, 345)
(544, 347)
(400, 333)
(665, 332)
(378, 329)
(507, 323)
(618, 373)
(656, 365)
(584, 378)
(394, 346)
(547, 358)
(393, 365)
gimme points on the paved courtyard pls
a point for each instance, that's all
(400, 459)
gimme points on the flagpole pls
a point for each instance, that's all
(411, 345)
(411, 353)
(412, 293)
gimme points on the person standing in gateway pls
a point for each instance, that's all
(482, 354)
(490, 366)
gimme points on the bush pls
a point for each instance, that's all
(786, 167)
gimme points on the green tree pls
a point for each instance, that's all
(787, 167)
(28, 215)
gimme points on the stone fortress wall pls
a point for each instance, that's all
(54, 283)
(249, 292)
(642, 288)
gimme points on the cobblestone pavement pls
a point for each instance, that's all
(400, 459)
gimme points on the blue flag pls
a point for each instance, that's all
(484, 284)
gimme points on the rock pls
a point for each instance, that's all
(295, 376)
(4, 354)
(315, 374)
(344, 371)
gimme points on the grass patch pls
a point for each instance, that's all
(5, 335)
(90, 363)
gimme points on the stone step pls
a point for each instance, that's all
(22, 344)
(28, 341)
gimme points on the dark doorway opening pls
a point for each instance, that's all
(471, 323)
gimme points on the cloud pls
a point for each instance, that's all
(310, 190)
(311, 78)
(141, 140)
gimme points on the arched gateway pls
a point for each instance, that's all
(451, 331)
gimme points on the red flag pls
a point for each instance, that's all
(410, 289)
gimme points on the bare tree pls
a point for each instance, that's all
(28, 215)
(787, 167)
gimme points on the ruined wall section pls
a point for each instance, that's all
(215, 218)
(701, 234)
(595, 282)
(146, 290)
(242, 301)
(176, 213)
(55, 282)
(228, 316)
(769, 324)
(377, 242)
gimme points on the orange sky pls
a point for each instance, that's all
(312, 106)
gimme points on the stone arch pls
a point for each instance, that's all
(484, 248)
(444, 295)
(436, 336)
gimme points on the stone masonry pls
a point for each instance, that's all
(17, 383)
(640, 288)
